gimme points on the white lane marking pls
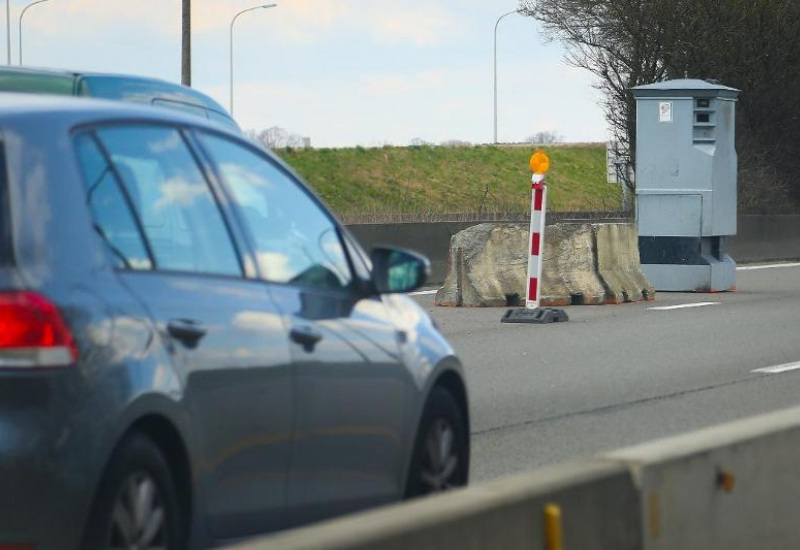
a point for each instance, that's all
(770, 266)
(423, 293)
(683, 306)
(778, 368)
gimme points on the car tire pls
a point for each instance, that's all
(136, 505)
(441, 451)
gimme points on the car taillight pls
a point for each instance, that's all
(33, 334)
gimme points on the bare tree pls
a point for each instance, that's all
(545, 138)
(278, 138)
(748, 44)
(456, 143)
(620, 41)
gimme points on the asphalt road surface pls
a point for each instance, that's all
(620, 375)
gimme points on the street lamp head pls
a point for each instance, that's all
(233, 22)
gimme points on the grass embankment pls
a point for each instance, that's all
(374, 184)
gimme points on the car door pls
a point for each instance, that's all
(352, 389)
(224, 333)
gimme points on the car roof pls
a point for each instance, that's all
(75, 111)
(158, 87)
(63, 113)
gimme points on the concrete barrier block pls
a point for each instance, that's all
(688, 504)
(487, 266)
(618, 264)
(569, 275)
(599, 505)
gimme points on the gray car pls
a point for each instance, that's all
(192, 349)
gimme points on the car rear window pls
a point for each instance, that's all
(6, 256)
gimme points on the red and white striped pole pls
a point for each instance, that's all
(538, 207)
(532, 313)
(540, 164)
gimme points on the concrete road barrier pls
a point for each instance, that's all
(618, 264)
(569, 275)
(584, 264)
(597, 504)
(487, 266)
(734, 487)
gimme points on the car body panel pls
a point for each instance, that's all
(352, 398)
(238, 389)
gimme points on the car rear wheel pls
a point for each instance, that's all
(441, 452)
(136, 506)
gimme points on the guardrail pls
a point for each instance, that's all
(760, 238)
(731, 487)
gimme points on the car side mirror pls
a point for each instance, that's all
(396, 271)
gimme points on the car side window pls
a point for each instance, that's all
(179, 214)
(296, 240)
(112, 218)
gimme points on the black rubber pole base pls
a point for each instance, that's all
(538, 316)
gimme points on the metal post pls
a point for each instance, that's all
(21, 16)
(495, 69)
(233, 22)
(186, 43)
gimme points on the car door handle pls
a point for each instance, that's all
(186, 331)
(307, 337)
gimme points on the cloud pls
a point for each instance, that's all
(402, 84)
(88, 17)
(423, 25)
(294, 21)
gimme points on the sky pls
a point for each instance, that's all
(341, 72)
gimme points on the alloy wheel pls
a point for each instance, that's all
(441, 458)
(139, 520)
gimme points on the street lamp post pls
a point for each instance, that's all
(233, 22)
(21, 15)
(495, 68)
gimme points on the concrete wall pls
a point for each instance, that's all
(734, 487)
(760, 238)
(764, 238)
(431, 239)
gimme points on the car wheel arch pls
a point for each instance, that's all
(454, 384)
(166, 436)
(451, 380)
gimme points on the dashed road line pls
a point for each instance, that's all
(683, 306)
(423, 293)
(778, 368)
(769, 266)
